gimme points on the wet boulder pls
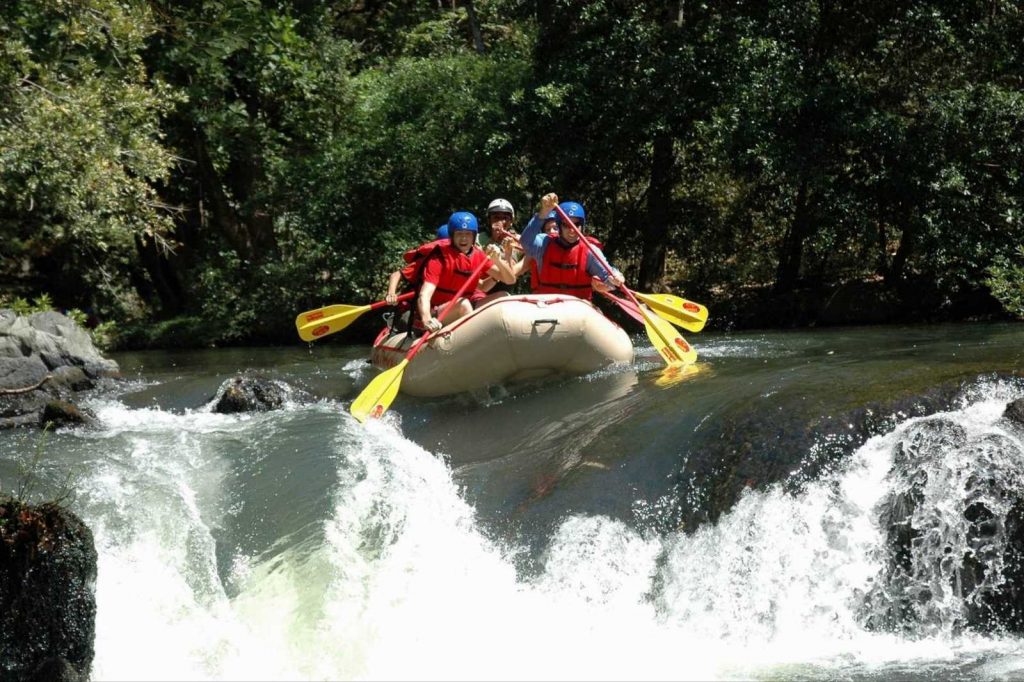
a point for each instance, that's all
(1014, 413)
(251, 393)
(47, 593)
(44, 357)
(57, 413)
(954, 535)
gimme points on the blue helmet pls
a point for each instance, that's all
(442, 232)
(552, 215)
(462, 220)
(574, 210)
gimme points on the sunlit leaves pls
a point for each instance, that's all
(82, 145)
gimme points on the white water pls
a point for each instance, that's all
(400, 582)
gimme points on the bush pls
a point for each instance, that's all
(1006, 281)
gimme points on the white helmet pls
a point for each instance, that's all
(501, 206)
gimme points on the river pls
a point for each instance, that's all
(722, 524)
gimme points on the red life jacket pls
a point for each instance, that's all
(456, 267)
(564, 271)
(415, 258)
(535, 275)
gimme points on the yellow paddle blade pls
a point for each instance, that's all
(675, 374)
(673, 348)
(378, 395)
(314, 324)
(680, 312)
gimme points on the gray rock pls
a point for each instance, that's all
(13, 347)
(1015, 412)
(63, 342)
(57, 413)
(16, 373)
(249, 394)
(7, 318)
(20, 420)
(55, 669)
(71, 378)
(49, 346)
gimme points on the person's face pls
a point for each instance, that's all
(551, 227)
(569, 234)
(463, 239)
(500, 221)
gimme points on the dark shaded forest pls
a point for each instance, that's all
(199, 172)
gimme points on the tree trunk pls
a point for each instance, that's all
(791, 253)
(474, 25)
(908, 240)
(659, 207)
(162, 274)
(252, 237)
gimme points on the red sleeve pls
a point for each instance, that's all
(432, 270)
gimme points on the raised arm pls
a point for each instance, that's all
(532, 240)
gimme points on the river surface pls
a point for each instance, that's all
(722, 524)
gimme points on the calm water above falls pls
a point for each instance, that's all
(613, 526)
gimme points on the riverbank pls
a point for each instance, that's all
(853, 303)
(858, 302)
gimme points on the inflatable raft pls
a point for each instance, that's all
(509, 339)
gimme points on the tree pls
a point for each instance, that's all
(81, 149)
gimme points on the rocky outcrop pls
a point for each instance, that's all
(253, 393)
(1014, 413)
(45, 359)
(954, 525)
(47, 593)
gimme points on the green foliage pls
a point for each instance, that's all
(23, 306)
(430, 139)
(305, 145)
(77, 316)
(106, 335)
(177, 332)
(1006, 281)
(80, 141)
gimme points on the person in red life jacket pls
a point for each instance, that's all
(563, 264)
(528, 264)
(447, 268)
(412, 258)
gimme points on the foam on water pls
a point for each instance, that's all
(402, 584)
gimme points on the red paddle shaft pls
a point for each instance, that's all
(473, 278)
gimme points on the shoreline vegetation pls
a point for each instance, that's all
(196, 175)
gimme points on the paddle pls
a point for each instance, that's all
(674, 312)
(680, 312)
(380, 393)
(626, 306)
(314, 324)
(674, 350)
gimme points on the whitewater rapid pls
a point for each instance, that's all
(397, 580)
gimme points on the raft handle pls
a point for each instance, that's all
(552, 322)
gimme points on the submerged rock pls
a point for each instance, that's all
(954, 526)
(1015, 413)
(47, 593)
(63, 413)
(251, 393)
(56, 669)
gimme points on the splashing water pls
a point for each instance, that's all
(394, 579)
